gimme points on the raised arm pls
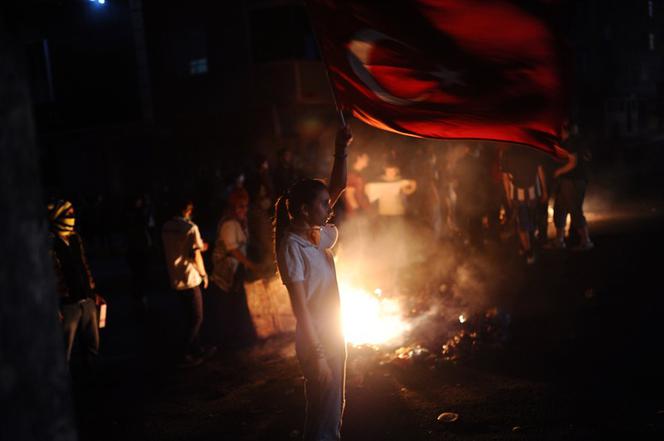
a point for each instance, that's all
(571, 162)
(338, 178)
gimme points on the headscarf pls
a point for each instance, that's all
(61, 222)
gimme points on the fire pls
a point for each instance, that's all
(370, 318)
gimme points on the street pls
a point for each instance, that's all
(578, 359)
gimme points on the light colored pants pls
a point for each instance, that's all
(82, 317)
(325, 402)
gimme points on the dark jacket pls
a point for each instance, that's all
(72, 272)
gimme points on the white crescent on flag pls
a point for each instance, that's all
(359, 52)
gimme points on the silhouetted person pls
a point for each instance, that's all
(183, 246)
(391, 191)
(75, 285)
(572, 180)
(525, 184)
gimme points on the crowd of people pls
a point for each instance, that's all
(471, 192)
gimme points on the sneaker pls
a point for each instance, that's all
(189, 361)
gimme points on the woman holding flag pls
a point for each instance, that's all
(303, 242)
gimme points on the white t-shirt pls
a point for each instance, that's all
(230, 236)
(299, 260)
(181, 237)
(389, 196)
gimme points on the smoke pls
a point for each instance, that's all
(434, 282)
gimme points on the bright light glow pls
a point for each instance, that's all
(370, 318)
(101, 2)
(378, 292)
(462, 318)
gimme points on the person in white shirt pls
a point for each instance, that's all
(303, 242)
(183, 246)
(390, 191)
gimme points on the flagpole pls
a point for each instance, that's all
(327, 67)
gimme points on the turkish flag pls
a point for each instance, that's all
(449, 69)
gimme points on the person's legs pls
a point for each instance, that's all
(192, 303)
(71, 316)
(523, 226)
(542, 220)
(324, 402)
(579, 222)
(564, 195)
(333, 400)
(90, 327)
(196, 319)
(312, 394)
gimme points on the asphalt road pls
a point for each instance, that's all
(580, 359)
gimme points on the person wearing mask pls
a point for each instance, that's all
(303, 242)
(75, 284)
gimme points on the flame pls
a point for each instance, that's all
(370, 318)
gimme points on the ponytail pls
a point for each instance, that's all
(302, 192)
(281, 221)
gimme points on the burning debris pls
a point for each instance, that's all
(408, 355)
(490, 329)
(423, 320)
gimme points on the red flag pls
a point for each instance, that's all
(450, 69)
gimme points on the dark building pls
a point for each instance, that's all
(619, 48)
(134, 89)
(142, 91)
